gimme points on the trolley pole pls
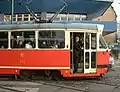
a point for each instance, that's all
(12, 10)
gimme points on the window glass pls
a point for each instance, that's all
(23, 39)
(31, 18)
(63, 17)
(25, 19)
(19, 19)
(87, 60)
(14, 18)
(87, 42)
(57, 18)
(26, 15)
(19, 15)
(93, 41)
(51, 39)
(102, 43)
(77, 18)
(3, 39)
(93, 59)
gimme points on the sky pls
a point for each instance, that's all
(116, 6)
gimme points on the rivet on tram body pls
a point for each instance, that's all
(22, 54)
(66, 71)
(16, 70)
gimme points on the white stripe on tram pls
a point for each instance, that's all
(23, 67)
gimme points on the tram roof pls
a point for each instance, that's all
(109, 26)
(50, 26)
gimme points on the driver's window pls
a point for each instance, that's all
(102, 43)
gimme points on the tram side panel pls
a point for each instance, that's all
(46, 58)
(102, 61)
(13, 60)
(9, 59)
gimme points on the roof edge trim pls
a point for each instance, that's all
(106, 0)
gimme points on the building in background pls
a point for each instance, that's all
(60, 17)
(74, 10)
(1, 17)
(109, 15)
(109, 20)
(118, 31)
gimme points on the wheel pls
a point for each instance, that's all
(16, 77)
(25, 75)
(47, 73)
(101, 77)
(56, 76)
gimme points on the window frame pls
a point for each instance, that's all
(36, 38)
(25, 39)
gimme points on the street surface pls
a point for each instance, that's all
(110, 83)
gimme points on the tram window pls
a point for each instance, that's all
(3, 40)
(93, 41)
(102, 43)
(63, 18)
(93, 60)
(87, 60)
(51, 39)
(19, 39)
(87, 44)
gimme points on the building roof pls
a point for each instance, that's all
(109, 26)
(74, 6)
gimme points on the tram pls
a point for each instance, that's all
(50, 48)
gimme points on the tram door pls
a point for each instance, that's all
(86, 62)
(90, 44)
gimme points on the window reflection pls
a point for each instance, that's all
(51, 39)
(102, 43)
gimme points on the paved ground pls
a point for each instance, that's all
(112, 77)
(9, 86)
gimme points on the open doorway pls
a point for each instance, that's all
(77, 52)
(83, 52)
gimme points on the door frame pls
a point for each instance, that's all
(90, 69)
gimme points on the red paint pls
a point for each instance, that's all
(46, 58)
(82, 75)
(9, 71)
(102, 58)
(98, 73)
(35, 58)
(102, 70)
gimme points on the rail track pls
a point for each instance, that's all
(87, 83)
(81, 85)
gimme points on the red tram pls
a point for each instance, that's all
(51, 49)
